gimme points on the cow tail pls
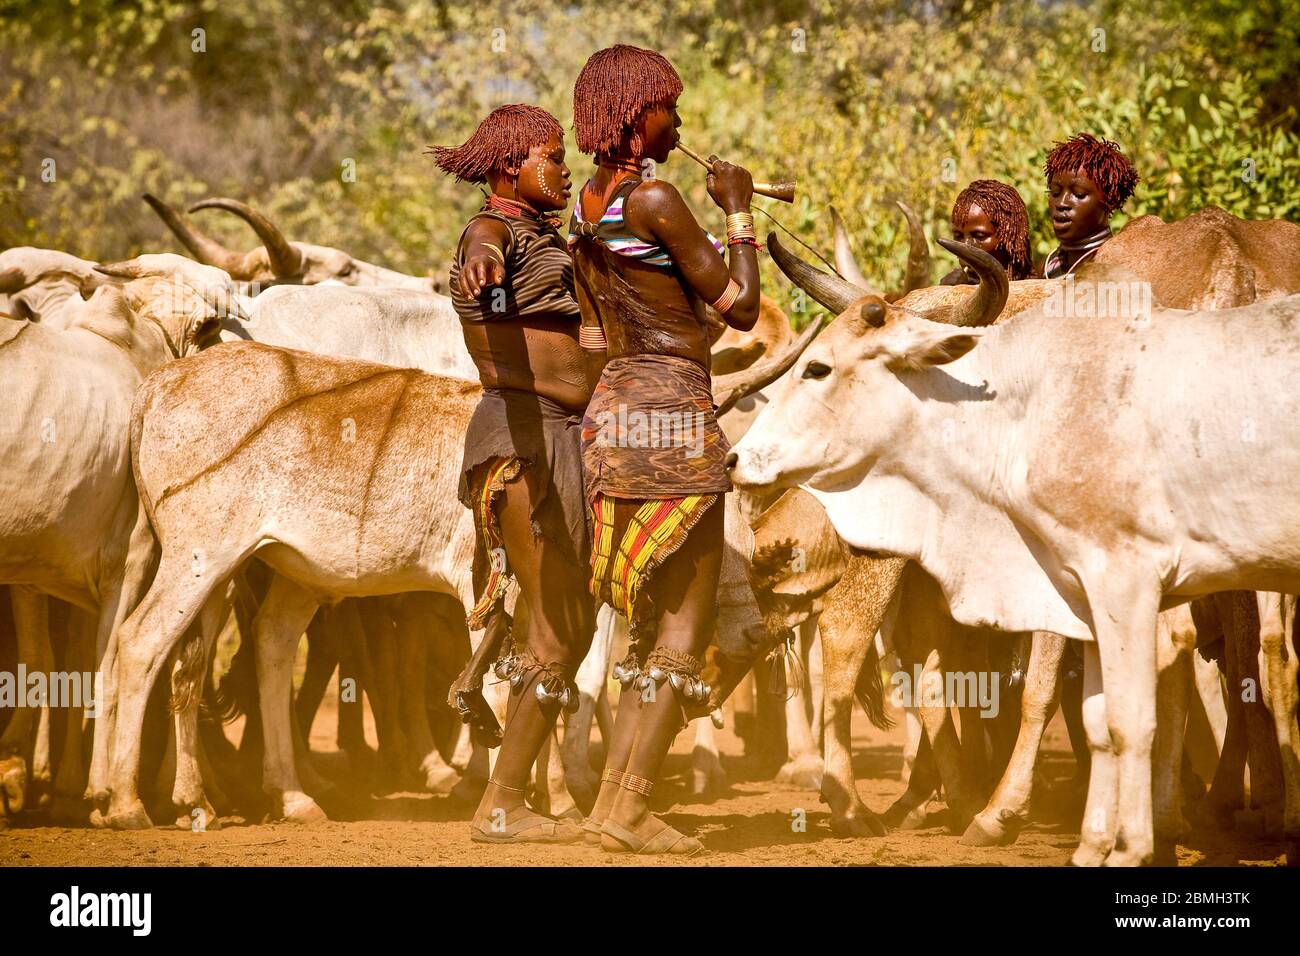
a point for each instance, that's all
(870, 690)
(236, 692)
(191, 668)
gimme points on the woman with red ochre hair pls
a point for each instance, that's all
(990, 215)
(652, 451)
(1088, 181)
(512, 286)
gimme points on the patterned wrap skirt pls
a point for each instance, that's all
(511, 431)
(654, 462)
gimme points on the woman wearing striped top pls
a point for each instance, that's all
(653, 455)
(512, 286)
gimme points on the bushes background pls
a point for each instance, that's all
(866, 102)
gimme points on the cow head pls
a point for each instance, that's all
(185, 299)
(39, 281)
(852, 393)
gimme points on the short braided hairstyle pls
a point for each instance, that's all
(503, 139)
(1102, 162)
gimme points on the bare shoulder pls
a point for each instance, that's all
(655, 196)
(657, 201)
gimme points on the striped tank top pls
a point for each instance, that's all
(539, 275)
(615, 235)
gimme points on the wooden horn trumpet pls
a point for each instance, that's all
(783, 191)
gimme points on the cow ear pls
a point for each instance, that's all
(917, 345)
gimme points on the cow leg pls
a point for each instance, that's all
(322, 659)
(414, 615)
(144, 642)
(284, 615)
(1264, 756)
(1125, 616)
(844, 655)
(1277, 670)
(969, 660)
(69, 806)
(1100, 813)
(23, 747)
(591, 678)
(913, 734)
(999, 823)
(345, 620)
(382, 687)
(1176, 639)
(120, 597)
(803, 767)
(1214, 617)
(188, 674)
(708, 779)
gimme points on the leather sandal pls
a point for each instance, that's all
(615, 838)
(528, 827)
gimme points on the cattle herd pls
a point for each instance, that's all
(1069, 492)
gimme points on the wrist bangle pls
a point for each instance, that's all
(744, 241)
(592, 337)
(728, 298)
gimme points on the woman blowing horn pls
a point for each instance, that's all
(512, 286)
(652, 450)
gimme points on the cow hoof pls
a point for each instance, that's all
(861, 823)
(1088, 855)
(13, 785)
(198, 817)
(1127, 858)
(300, 808)
(804, 772)
(989, 831)
(708, 779)
(1166, 853)
(1273, 817)
(130, 817)
(70, 811)
(98, 820)
(441, 779)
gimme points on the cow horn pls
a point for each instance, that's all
(204, 248)
(12, 280)
(285, 260)
(831, 291)
(844, 261)
(918, 251)
(126, 269)
(987, 303)
(732, 387)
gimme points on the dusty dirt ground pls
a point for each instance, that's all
(750, 824)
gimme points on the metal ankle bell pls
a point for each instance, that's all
(678, 682)
(504, 667)
(657, 674)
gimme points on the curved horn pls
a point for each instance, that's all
(204, 248)
(986, 305)
(126, 269)
(285, 260)
(918, 251)
(732, 387)
(12, 280)
(831, 291)
(844, 260)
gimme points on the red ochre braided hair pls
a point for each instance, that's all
(615, 85)
(503, 139)
(1006, 210)
(1102, 162)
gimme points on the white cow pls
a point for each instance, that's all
(1070, 474)
(69, 521)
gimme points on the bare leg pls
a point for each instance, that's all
(558, 635)
(684, 589)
